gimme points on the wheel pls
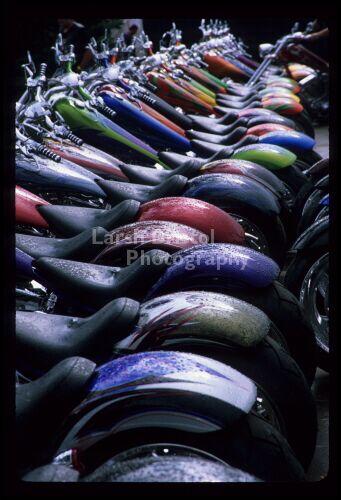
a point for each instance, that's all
(287, 314)
(293, 177)
(167, 463)
(250, 444)
(301, 164)
(304, 123)
(284, 396)
(310, 157)
(308, 278)
(267, 238)
(310, 210)
(302, 196)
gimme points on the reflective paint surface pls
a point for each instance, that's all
(289, 139)
(87, 157)
(53, 175)
(164, 235)
(196, 213)
(150, 368)
(244, 167)
(235, 265)
(230, 191)
(25, 208)
(269, 155)
(23, 264)
(132, 115)
(197, 317)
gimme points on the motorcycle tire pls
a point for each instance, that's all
(282, 383)
(293, 279)
(293, 177)
(304, 123)
(310, 211)
(286, 313)
(310, 157)
(250, 444)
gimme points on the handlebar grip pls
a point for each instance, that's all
(73, 138)
(49, 154)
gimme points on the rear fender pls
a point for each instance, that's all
(205, 264)
(163, 235)
(283, 106)
(198, 214)
(235, 192)
(290, 139)
(269, 155)
(243, 167)
(265, 128)
(161, 389)
(196, 318)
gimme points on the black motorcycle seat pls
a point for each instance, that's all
(238, 98)
(43, 404)
(247, 140)
(78, 247)
(177, 160)
(42, 340)
(281, 120)
(153, 177)
(229, 118)
(212, 126)
(226, 140)
(222, 109)
(208, 148)
(236, 104)
(70, 220)
(118, 191)
(95, 284)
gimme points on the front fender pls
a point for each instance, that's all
(211, 265)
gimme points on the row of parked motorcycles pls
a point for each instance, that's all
(172, 262)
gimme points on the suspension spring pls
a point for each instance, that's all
(49, 154)
(147, 99)
(73, 138)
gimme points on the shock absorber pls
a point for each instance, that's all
(110, 113)
(42, 72)
(73, 138)
(147, 99)
(46, 152)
